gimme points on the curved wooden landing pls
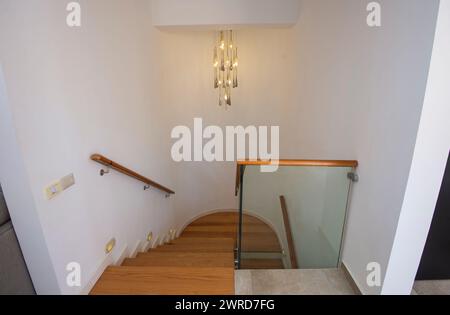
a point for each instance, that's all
(258, 237)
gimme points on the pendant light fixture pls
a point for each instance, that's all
(225, 66)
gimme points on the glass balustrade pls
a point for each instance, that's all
(293, 218)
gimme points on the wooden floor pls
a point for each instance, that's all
(200, 262)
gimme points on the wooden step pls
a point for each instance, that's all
(126, 280)
(203, 240)
(250, 228)
(224, 218)
(175, 259)
(267, 264)
(261, 244)
(209, 234)
(213, 245)
(251, 242)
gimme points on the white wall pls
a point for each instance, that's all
(14, 180)
(265, 77)
(74, 92)
(224, 14)
(428, 167)
(338, 90)
(359, 96)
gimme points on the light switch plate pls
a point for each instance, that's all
(57, 187)
(67, 181)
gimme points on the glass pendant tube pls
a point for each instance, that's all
(225, 61)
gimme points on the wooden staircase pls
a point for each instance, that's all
(200, 262)
(187, 266)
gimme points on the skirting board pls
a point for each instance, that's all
(136, 250)
(350, 279)
(109, 261)
(123, 256)
(146, 246)
(91, 283)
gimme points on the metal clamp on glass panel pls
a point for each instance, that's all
(353, 177)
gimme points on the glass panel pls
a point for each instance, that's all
(316, 202)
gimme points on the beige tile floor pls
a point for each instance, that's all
(292, 282)
(314, 282)
(441, 287)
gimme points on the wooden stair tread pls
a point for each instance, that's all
(267, 264)
(230, 218)
(251, 242)
(198, 245)
(221, 248)
(177, 259)
(209, 234)
(126, 280)
(203, 240)
(224, 228)
(262, 245)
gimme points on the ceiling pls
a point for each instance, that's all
(220, 14)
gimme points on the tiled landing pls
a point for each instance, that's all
(432, 287)
(292, 282)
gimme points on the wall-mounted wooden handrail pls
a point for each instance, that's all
(122, 169)
(289, 237)
(310, 163)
